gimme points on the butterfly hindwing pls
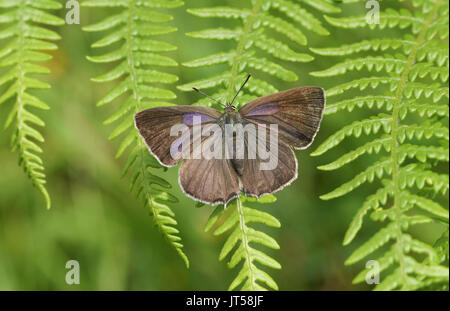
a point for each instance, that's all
(278, 168)
(212, 181)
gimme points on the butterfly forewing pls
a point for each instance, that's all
(297, 112)
(155, 124)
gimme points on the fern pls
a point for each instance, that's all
(257, 50)
(137, 53)
(409, 86)
(27, 38)
(241, 237)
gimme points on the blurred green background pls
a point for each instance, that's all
(94, 219)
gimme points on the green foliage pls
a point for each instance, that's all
(407, 93)
(136, 53)
(387, 115)
(241, 240)
(258, 47)
(260, 51)
(27, 38)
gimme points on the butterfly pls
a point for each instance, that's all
(294, 115)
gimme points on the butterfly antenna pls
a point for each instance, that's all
(204, 94)
(242, 86)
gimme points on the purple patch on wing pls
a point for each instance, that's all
(198, 118)
(264, 110)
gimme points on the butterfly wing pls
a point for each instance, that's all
(280, 168)
(212, 181)
(155, 124)
(297, 112)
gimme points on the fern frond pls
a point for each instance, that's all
(137, 55)
(258, 51)
(410, 86)
(25, 29)
(240, 243)
(253, 42)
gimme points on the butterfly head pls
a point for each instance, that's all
(229, 109)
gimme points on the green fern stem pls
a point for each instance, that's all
(245, 245)
(137, 98)
(20, 83)
(394, 136)
(130, 58)
(240, 49)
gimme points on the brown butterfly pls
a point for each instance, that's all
(295, 114)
